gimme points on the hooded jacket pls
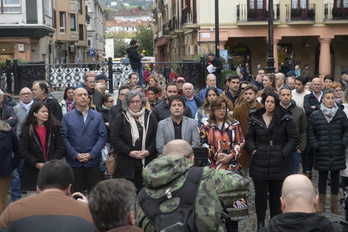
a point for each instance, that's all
(295, 222)
(217, 188)
(8, 145)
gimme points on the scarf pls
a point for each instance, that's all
(130, 115)
(328, 113)
(26, 106)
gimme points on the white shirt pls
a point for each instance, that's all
(299, 97)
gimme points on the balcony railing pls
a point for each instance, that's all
(297, 14)
(174, 24)
(244, 14)
(331, 13)
(165, 29)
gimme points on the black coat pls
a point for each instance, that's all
(30, 150)
(273, 144)
(329, 140)
(121, 140)
(106, 116)
(134, 58)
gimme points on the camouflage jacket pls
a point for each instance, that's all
(218, 188)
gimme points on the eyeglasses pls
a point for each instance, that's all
(135, 102)
(23, 94)
(220, 109)
(111, 101)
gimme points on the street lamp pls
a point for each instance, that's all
(270, 58)
(217, 38)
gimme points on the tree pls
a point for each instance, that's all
(109, 13)
(120, 47)
(144, 37)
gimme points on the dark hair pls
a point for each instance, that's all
(329, 77)
(211, 54)
(243, 83)
(257, 71)
(51, 122)
(171, 84)
(66, 90)
(55, 174)
(272, 78)
(265, 93)
(231, 77)
(133, 73)
(205, 106)
(105, 97)
(122, 87)
(302, 79)
(215, 105)
(278, 111)
(177, 98)
(111, 202)
(133, 41)
(42, 85)
(153, 89)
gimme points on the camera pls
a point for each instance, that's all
(201, 156)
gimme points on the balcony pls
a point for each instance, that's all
(175, 26)
(188, 19)
(335, 15)
(254, 16)
(294, 14)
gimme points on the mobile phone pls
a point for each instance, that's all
(201, 156)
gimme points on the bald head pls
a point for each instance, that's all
(178, 147)
(298, 195)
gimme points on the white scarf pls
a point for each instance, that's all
(134, 128)
(26, 106)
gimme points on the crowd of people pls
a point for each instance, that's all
(266, 128)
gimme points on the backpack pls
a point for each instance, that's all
(183, 217)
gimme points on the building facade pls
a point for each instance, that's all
(50, 31)
(310, 32)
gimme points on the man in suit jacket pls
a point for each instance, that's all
(177, 126)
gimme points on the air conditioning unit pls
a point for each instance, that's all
(21, 47)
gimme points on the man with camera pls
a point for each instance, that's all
(166, 175)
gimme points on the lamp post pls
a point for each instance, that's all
(217, 38)
(270, 58)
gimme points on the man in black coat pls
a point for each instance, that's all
(217, 66)
(135, 60)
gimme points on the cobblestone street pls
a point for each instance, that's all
(250, 224)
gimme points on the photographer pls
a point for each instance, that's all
(216, 189)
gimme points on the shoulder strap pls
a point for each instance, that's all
(150, 206)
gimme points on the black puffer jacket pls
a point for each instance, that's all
(329, 140)
(134, 57)
(273, 144)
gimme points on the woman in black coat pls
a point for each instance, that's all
(40, 140)
(133, 136)
(328, 134)
(270, 139)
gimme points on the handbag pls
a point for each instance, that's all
(111, 162)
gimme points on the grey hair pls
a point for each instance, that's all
(186, 84)
(1, 93)
(128, 97)
(326, 91)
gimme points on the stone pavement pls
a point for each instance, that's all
(250, 224)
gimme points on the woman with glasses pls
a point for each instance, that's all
(270, 139)
(223, 136)
(133, 136)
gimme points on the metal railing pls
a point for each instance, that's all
(19, 75)
(297, 14)
(245, 14)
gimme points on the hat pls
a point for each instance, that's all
(180, 79)
(102, 77)
(344, 71)
(290, 73)
(133, 41)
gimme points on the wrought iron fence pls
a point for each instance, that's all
(19, 75)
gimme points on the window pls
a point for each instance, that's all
(62, 22)
(81, 32)
(79, 6)
(257, 4)
(341, 3)
(10, 6)
(72, 22)
(299, 4)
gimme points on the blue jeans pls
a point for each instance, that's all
(15, 184)
(295, 159)
(140, 71)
